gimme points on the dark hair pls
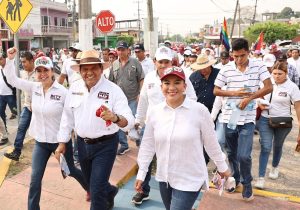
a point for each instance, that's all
(295, 49)
(280, 66)
(3, 55)
(27, 55)
(106, 49)
(240, 44)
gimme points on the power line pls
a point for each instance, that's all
(212, 1)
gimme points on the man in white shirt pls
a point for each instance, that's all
(147, 63)
(242, 79)
(225, 58)
(150, 96)
(66, 71)
(97, 108)
(294, 60)
(25, 116)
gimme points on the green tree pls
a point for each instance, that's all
(176, 38)
(127, 38)
(272, 31)
(286, 12)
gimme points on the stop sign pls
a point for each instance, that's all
(105, 21)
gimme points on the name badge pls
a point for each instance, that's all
(55, 97)
(283, 94)
(103, 95)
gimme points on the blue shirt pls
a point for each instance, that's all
(204, 88)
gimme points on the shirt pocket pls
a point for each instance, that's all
(132, 73)
(75, 102)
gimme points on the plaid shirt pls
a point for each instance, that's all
(293, 74)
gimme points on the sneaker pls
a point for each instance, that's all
(14, 155)
(111, 198)
(139, 198)
(260, 183)
(122, 151)
(233, 189)
(3, 141)
(88, 197)
(274, 173)
(247, 193)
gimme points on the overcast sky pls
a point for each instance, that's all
(183, 16)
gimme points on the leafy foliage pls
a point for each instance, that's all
(127, 38)
(272, 31)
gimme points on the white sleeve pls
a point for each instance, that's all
(146, 151)
(120, 107)
(9, 71)
(64, 66)
(67, 122)
(210, 142)
(216, 107)
(190, 91)
(141, 111)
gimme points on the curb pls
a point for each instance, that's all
(269, 194)
(128, 176)
(5, 163)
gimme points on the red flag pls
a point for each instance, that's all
(259, 41)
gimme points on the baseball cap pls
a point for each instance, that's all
(269, 60)
(167, 42)
(257, 52)
(43, 62)
(113, 52)
(187, 52)
(75, 46)
(224, 54)
(138, 47)
(174, 70)
(282, 57)
(163, 53)
(122, 44)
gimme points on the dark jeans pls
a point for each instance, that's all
(9, 100)
(24, 123)
(96, 161)
(239, 147)
(40, 156)
(145, 184)
(176, 199)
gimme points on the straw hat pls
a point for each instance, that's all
(202, 62)
(89, 57)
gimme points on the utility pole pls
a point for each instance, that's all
(17, 62)
(74, 20)
(239, 28)
(234, 18)
(139, 21)
(85, 24)
(151, 38)
(253, 19)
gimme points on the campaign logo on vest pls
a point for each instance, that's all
(103, 95)
(283, 94)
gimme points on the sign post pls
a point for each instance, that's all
(14, 13)
(105, 22)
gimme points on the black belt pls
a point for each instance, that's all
(100, 139)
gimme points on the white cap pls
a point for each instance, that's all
(76, 46)
(44, 62)
(163, 53)
(269, 60)
(187, 52)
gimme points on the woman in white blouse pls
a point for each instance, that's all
(176, 132)
(285, 92)
(48, 98)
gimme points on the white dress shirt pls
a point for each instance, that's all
(177, 138)
(295, 63)
(27, 95)
(4, 89)
(46, 108)
(81, 106)
(148, 65)
(151, 95)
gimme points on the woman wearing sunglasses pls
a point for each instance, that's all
(177, 138)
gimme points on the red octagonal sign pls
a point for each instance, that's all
(105, 21)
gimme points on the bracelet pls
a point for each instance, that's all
(118, 119)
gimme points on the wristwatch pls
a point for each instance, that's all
(118, 119)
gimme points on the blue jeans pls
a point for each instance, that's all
(267, 136)
(40, 156)
(24, 123)
(122, 135)
(9, 100)
(239, 147)
(96, 161)
(220, 132)
(176, 199)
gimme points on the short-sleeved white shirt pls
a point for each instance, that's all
(282, 96)
(229, 75)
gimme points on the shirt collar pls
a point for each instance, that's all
(100, 81)
(186, 104)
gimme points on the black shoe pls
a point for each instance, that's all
(14, 155)
(111, 197)
(139, 198)
(3, 141)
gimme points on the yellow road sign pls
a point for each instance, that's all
(14, 12)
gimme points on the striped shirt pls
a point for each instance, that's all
(255, 73)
